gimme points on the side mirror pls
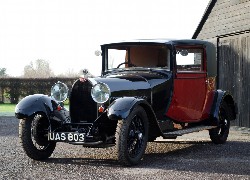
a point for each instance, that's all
(98, 53)
(59, 92)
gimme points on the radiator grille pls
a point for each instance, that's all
(82, 107)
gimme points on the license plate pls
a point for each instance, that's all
(66, 136)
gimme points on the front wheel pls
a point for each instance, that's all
(219, 135)
(131, 137)
(33, 134)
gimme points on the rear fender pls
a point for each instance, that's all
(219, 97)
(37, 103)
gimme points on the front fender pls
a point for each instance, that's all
(121, 107)
(33, 104)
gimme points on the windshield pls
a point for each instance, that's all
(148, 56)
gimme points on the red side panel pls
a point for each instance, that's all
(192, 97)
(210, 82)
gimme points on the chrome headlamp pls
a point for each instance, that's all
(59, 92)
(100, 93)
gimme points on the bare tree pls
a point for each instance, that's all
(39, 69)
(3, 72)
(70, 73)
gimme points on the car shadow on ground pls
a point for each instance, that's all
(232, 157)
(195, 156)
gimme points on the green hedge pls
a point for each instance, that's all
(13, 89)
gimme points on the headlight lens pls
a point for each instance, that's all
(59, 92)
(100, 93)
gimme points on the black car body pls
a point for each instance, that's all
(154, 94)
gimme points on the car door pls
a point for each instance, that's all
(190, 85)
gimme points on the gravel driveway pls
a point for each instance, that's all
(191, 156)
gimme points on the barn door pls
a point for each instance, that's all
(234, 74)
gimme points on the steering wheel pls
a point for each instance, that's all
(130, 64)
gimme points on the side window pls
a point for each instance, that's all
(189, 59)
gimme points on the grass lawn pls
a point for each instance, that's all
(7, 109)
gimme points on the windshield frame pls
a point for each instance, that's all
(127, 46)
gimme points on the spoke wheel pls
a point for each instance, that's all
(132, 136)
(33, 134)
(219, 135)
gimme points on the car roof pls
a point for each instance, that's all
(210, 48)
(159, 41)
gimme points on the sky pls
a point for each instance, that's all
(66, 33)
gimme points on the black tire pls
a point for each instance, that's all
(219, 135)
(131, 137)
(33, 134)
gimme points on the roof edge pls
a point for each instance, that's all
(204, 18)
(158, 41)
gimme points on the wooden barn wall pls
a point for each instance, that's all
(234, 73)
(227, 16)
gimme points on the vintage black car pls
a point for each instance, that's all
(147, 89)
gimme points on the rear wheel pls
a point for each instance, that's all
(219, 135)
(132, 136)
(33, 134)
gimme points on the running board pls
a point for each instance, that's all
(186, 131)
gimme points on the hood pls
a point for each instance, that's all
(133, 81)
(133, 84)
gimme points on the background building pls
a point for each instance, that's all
(226, 23)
